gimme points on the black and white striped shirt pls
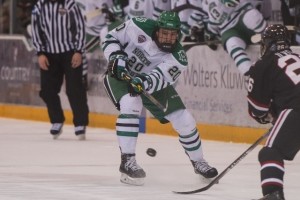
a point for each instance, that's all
(57, 27)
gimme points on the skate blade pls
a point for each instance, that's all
(55, 137)
(132, 181)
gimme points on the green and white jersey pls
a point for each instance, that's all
(94, 21)
(197, 18)
(159, 6)
(139, 8)
(135, 38)
(221, 17)
(185, 14)
(146, 8)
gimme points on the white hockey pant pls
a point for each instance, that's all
(254, 20)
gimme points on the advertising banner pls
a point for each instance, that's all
(19, 74)
(211, 87)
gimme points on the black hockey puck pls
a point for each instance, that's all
(151, 152)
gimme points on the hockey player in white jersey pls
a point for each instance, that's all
(183, 15)
(192, 18)
(95, 19)
(235, 21)
(150, 52)
(95, 26)
(159, 6)
(146, 8)
(139, 8)
(196, 21)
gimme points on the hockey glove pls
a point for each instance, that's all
(109, 16)
(210, 39)
(209, 36)
(138, 84)
(197, 34)
(185, 28)
(117, 65)
(117, 11)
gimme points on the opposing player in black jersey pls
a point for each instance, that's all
(274, 90)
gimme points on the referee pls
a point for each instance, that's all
(58, 35)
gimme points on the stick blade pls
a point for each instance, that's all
(185, 192)
(193, 191)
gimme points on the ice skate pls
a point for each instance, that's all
(202, 168)
(278, 195)
(56, 130)
(80, 132)
(131, 172)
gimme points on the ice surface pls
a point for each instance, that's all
(33, 166)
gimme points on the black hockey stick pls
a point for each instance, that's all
(128, 78)
(213, 45)
(187, 6)
(216, 180)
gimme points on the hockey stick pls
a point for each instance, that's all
(128, 78)
(257, 37)
(213, 45)
(93, 13)
(225, 171)
(186, 6)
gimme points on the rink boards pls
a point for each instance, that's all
(211, 87)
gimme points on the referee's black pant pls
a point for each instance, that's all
(51, 81)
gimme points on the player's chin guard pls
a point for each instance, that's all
(167, 23)
(275, 38)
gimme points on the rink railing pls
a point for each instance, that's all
(211, 87)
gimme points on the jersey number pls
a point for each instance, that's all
(250, 84)
(120, 27)
(174, 72)
(133, 64)
(291, 65)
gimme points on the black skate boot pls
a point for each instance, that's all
(56, 130)
(202, 168)
(131, 172)
(278, 195)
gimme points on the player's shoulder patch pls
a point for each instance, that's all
(180, 55)
(145, 24)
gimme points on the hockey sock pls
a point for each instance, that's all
(192, 145)
(236, 48)
(184, 123)
(127, 128)
(272, 170)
